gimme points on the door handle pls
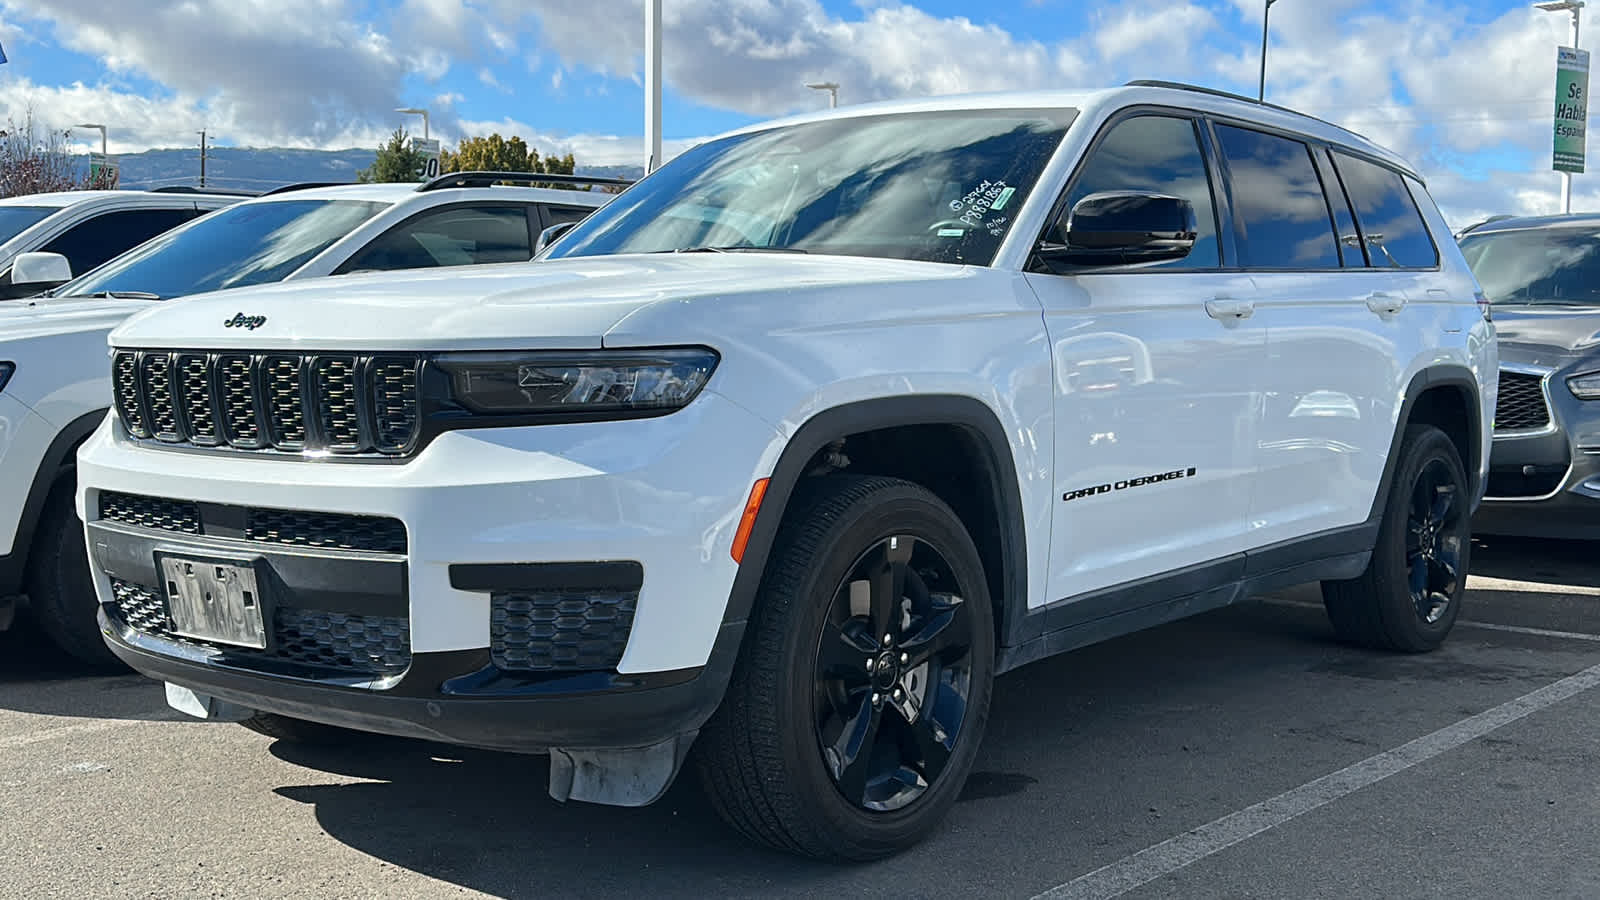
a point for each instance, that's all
(1384, 303)
(1229, 308)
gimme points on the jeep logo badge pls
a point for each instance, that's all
(248, 323)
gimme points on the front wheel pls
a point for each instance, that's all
(859, 700)
(1410, 594)
(60, 589)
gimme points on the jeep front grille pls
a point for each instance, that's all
(1521, 406)
(337, 403)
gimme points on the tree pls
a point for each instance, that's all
(35, 159)
(396, 161)
(496, 154)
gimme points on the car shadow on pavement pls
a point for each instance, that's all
(1538, 560)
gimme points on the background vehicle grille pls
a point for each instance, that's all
(331, 531)
(1521, 405)
(291, 402)
(375, 646)
(566, 630)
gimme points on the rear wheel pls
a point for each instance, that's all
(1410, 595)
(60, 591)
(855, 712)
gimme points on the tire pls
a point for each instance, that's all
(762, 757)
(61, 595)
(1410, 594)
(299, 731)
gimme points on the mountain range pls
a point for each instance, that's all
(262, 169)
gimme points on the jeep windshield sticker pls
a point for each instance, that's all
(1141, 481)
(975, 206)
(952, 232)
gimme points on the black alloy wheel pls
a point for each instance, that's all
(1434, 541)
(893, 674)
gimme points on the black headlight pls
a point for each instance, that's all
(6, 368)
(592, 384)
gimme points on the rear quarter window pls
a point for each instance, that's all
(1392, 227)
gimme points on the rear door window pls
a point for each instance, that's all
(1391, 225)
(1280, 216)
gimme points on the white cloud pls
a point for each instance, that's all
(588, 149)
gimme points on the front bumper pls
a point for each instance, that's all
(1545, 481)
(459, 698)
(402, 630)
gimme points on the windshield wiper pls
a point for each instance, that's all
(121, 295)
(738, 248)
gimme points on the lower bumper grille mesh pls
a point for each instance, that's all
(559, 630)
(367, 646)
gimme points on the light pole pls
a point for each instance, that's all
(102, 135)
(1574, 7)
(831, 87)
(411, 110)
(652, 85)
(1266, 14)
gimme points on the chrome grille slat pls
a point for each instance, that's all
(155, 377)
(288, 402)
(194, 398)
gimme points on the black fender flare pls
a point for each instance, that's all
(830, 425)
(59, 461)
(1441, 376)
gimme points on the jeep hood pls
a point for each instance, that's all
(1547, 333)
(566, 303)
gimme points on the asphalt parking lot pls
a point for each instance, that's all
(1242, 754)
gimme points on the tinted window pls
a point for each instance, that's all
(1390, 224)
(1281, 219)
(13, 219)
(1155, 154)
(88, 244)
(941, 186)
(452, 237)
(1344, 223)
(555, 215)
(1536, 266)
(251, 243)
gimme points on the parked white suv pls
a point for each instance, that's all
(52, 349)
(82, 229)
(951, 385)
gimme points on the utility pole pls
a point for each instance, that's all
(832, 87)
(652, 85)
(202, 158)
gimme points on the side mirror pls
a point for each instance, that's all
(1119, 227)
(35, 268)
(549, 235)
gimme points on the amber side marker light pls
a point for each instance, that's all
(747, 522)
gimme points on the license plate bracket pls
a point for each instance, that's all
(215, 600)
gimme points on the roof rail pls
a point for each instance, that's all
(1184, 86)
(306, 185)
(485, 179)
(191, 189)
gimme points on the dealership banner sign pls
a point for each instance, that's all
(1572, 108)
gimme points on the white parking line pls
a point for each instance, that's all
(1468, 623)
(1173, 854)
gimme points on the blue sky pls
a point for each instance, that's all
(1463, 88)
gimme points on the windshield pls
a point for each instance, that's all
(252, 243)
(939, 186)
(13, 219)
(1544, 266)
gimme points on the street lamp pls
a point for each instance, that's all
(414, 111)
(1572, 6)
(1266, 13)
(102, 135)
(831, 87)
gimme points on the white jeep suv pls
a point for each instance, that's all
(52, 348)
(776, 461)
